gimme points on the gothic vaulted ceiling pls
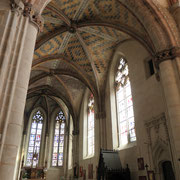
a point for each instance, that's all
(76, 47)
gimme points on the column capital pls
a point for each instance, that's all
(26, 9)
(16, 7)
(167, 54)
(33, 16)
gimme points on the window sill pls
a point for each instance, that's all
(88, 157)
(127, 146)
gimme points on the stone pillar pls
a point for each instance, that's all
(75, 147)
(18, 31)
(175, 10)
(101, 119)
(171, 86)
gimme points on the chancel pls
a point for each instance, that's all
(90, 89)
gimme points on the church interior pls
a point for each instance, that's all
(90, 89)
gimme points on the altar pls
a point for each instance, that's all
(32, 173)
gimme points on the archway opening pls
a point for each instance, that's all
(167, 171)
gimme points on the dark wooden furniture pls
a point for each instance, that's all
(110, 167)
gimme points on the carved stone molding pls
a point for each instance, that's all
(168, 54)
(18, 8)
(26, 9)
(34, 18)
(155, 123)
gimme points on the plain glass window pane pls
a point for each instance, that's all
(61, 143)
(55, 149)
(120, 95)
(62, 125)
(121, 105)
(62, 131)
(124, 139)
(54, 156)
(55, 143)
(33, 131)
(38, 131)
(31, 143)
(37, 143)
(54, 163)
(61, 156)
(131, 123)
(39, 126)
(34, 125)
(122, 115)
(57, 126)
(130, 112)
(60, 162)
(60, 149)
(56, 131)
(56, 138)
(28, 163)
(129, 101)
(123, 127)
(30, 149)
(29, 155)
(61, 138)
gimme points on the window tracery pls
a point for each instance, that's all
(58, 143)
(126, 125)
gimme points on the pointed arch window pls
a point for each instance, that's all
(58, 143)
(35, 139)
(90, 126)
(125, 112)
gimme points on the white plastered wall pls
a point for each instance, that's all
(148, 102)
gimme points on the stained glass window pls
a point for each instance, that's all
(35, 139)
(58, 144)
(90, 128)
(126, 126)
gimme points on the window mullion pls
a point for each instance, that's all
(58, 143)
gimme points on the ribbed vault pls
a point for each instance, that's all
(76, 47)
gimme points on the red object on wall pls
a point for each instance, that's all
(81, 171)
(90, 171)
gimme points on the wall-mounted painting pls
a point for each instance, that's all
(140, 162)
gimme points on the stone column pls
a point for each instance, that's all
(169, 78)
(101, 130)
(18, 33)
(75, 147)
